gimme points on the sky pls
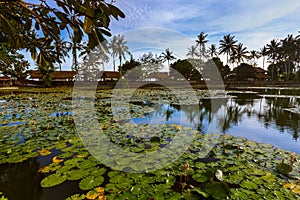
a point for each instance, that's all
(253, 23)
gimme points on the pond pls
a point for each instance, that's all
(273, 119)
(42, 157)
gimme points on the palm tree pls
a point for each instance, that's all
(263, 52)
(113, 47)
(273, 53)
(121, 49)
(192, 51)
(227, 45)
(167, 56)
(212, 50)
(62, 48)
(239, 53)
(201, 41)
(253, 55)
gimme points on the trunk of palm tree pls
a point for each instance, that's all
(114, 63)
(120, 67)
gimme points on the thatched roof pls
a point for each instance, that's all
(5, 78)
(111, 74)
(54, 75)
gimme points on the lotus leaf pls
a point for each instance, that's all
(96, 193)
(77, 174)
(218, 190)
(50, 168)
(55, 159)
(249, 185)
(53, 179)
(76, 197)
(90, 182)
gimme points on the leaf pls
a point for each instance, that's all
(57, 160)
(218, 190)
(88, 24)
(53, 179)
(293, 187)
(77, 174)
(90, 182)
(76, 197)
(95, 193)
(44, 152)
(249, 185)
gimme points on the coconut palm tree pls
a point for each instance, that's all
(113, 47)
(263, 52)
(253, 55)
(273, 49)
(62, 48)
(167, 56)
(122, 49)
(239, 53)
(227, 45)
(201, 41)
(212, 51)
(192, 51)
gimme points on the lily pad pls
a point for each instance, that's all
(53, 179)
(90, 182)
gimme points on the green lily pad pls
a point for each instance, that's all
(76, 197)
(249, 185)
(77, 174)
(53, 179)
(90, 182)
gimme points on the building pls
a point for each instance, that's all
(56, 75)
(261, 74)
(5, 81)
(112, 75)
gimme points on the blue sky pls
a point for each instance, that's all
(254, 23)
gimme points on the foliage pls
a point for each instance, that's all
(186, 69)
(244, 72)
(37, 27)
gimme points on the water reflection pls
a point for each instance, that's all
(259, 118)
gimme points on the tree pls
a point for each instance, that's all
(244, 72)
(36, 27)
(227, 45)
(201, 41)
(186, 69)
(167, 56)
(192, 51)
(212, 51)
(273, 53)
(239, 53)
(121, 49)
(150, 64)
(113, 47)
(263, 52)
(17, 66)
(253, 55)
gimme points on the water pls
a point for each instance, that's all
(263, 117)
(272, 119)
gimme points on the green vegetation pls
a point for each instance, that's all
(235, 167)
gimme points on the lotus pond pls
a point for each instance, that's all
(245, 145)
